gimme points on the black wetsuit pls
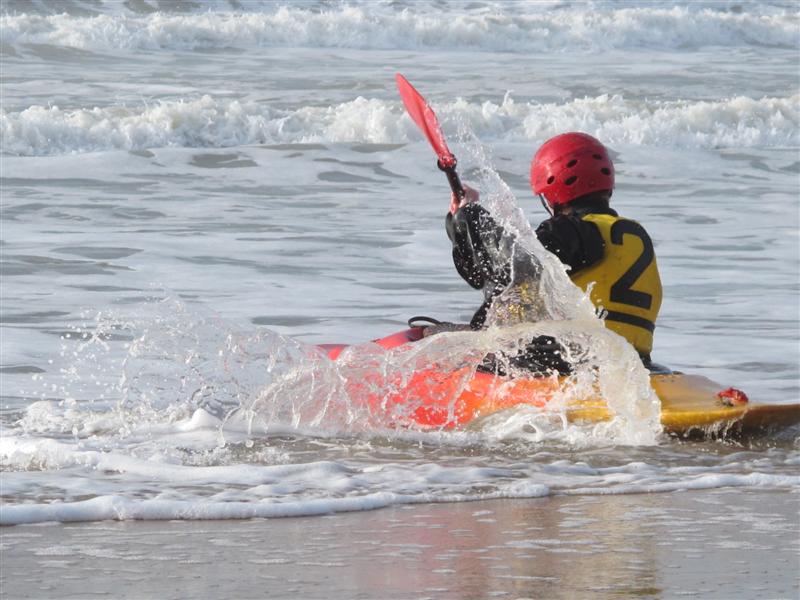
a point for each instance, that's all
(485, 255)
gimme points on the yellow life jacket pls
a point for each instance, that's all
(626, 281)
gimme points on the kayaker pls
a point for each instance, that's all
(573, 175)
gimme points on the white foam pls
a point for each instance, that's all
(214, 122)
(522, 28)
(197, 468)
(122, 487)
(120, 508)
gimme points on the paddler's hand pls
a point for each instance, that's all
(470, 195)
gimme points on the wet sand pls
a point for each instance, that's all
(719, 544)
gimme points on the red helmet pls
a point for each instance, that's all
(569, 166)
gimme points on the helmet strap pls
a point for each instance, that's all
(546, 205)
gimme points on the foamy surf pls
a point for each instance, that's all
(528, 27)
(123, 485)
(209, 122)
(207, 421)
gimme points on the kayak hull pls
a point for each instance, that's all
(690, 404)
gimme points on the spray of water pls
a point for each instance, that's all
(173, 364)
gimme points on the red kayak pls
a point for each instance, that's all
(434, 398)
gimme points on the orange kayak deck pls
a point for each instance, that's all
(690, 405)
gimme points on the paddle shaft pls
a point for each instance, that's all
(452, 179)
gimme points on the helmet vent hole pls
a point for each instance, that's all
(570, 180)
(572, 163)
(605, 171)
(597, 157)
(550, 180)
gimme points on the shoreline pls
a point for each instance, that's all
(720, 543)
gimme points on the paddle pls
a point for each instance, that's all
(425, 118)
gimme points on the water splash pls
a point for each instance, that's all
(179, 370)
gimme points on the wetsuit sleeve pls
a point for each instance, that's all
(476, 237)
(577, 243)
(464, 257)
(487, 256)
(474, 234)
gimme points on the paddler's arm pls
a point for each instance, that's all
(461, 226)
(485, 254)
(468, 255)
(477, 243)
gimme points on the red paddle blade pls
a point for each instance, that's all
(425, 118)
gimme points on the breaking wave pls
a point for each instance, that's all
(492, 27)
(213, 122)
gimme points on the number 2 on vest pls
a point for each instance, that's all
(621, 291)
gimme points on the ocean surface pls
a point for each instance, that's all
(194, 195)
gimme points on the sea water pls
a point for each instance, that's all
(194, 195)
